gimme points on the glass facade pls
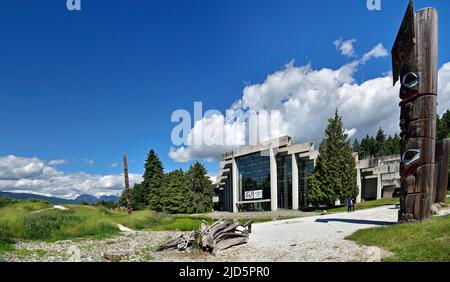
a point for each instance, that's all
(254, 180)
(305, 169)
(284, 181)
(253, 175)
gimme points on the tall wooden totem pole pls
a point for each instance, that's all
(127, 184)
(414, 60)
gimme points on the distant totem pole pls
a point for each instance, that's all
(127, 184)
(414, 61)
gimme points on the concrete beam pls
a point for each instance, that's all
(294, 182)
(273, 180)
(235, 178)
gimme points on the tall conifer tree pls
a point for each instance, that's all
(335, 174)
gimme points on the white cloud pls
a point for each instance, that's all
(32, 175)
(57, 162)
(377, 52)
(113, 165)
(89, 162)
(346, 47)
(213, 178)
(307, 97)
(444, 88)
(351, 132)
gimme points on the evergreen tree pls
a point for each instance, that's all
(176, 194)
(200, 189)
(380, 144)
(355, 147)
(393, 145)
(335, 174)
(153, 180)
(442, 128)
(367, 147)
(138, 197)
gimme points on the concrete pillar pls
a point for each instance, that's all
(294, 182)
(235, 180)
(273, 181)
(358, 179)
(379, 186)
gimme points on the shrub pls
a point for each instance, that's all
(6, 234)
(47, 224)
(6, 201)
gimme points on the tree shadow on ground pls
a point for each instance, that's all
(354, 221)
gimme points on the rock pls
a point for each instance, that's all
(112, 257)
(435, 209)
(373, 254)
(74, 254)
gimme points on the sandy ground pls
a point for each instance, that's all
(314, 238)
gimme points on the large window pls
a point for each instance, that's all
(305, 169)
(254, 177)
(284, 181)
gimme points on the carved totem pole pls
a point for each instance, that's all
(127, 184)
(414, 60)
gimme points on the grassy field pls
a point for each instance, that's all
(363, 205)
(428, 241)
(29, 220)
(35, 220)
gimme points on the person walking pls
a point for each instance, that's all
(353, 204)
(349, 204)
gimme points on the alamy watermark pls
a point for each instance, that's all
(374, 5)
(73, 5)
(235, 128)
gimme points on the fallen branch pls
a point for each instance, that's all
(221, 235)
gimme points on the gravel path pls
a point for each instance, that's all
(314, 238)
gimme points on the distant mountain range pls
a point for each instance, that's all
(59, 201)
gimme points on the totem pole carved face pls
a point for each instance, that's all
(411, 65)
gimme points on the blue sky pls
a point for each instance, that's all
(91, 84)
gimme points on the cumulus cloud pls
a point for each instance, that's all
(305, 98)
(346, 47)
(32, 175)
(377, 52)
(57, 162)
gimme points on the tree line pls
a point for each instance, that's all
(172, 192)
(443, 126)
(378, 146)
(382, 145)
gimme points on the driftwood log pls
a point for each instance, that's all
(221, 235)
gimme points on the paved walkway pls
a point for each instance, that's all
(315, 238)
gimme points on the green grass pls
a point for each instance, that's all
(21, 221)
(150, 220)
(362, 205)
(428, 241)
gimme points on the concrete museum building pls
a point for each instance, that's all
(274, 175)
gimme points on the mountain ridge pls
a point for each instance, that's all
(60, 201)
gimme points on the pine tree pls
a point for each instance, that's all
(200, 188)
(138, 197)
(380, 143)
(355, 147)
(175, 193)
(335, 174)
(442, 130)
(153, 180)
(367, 147)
